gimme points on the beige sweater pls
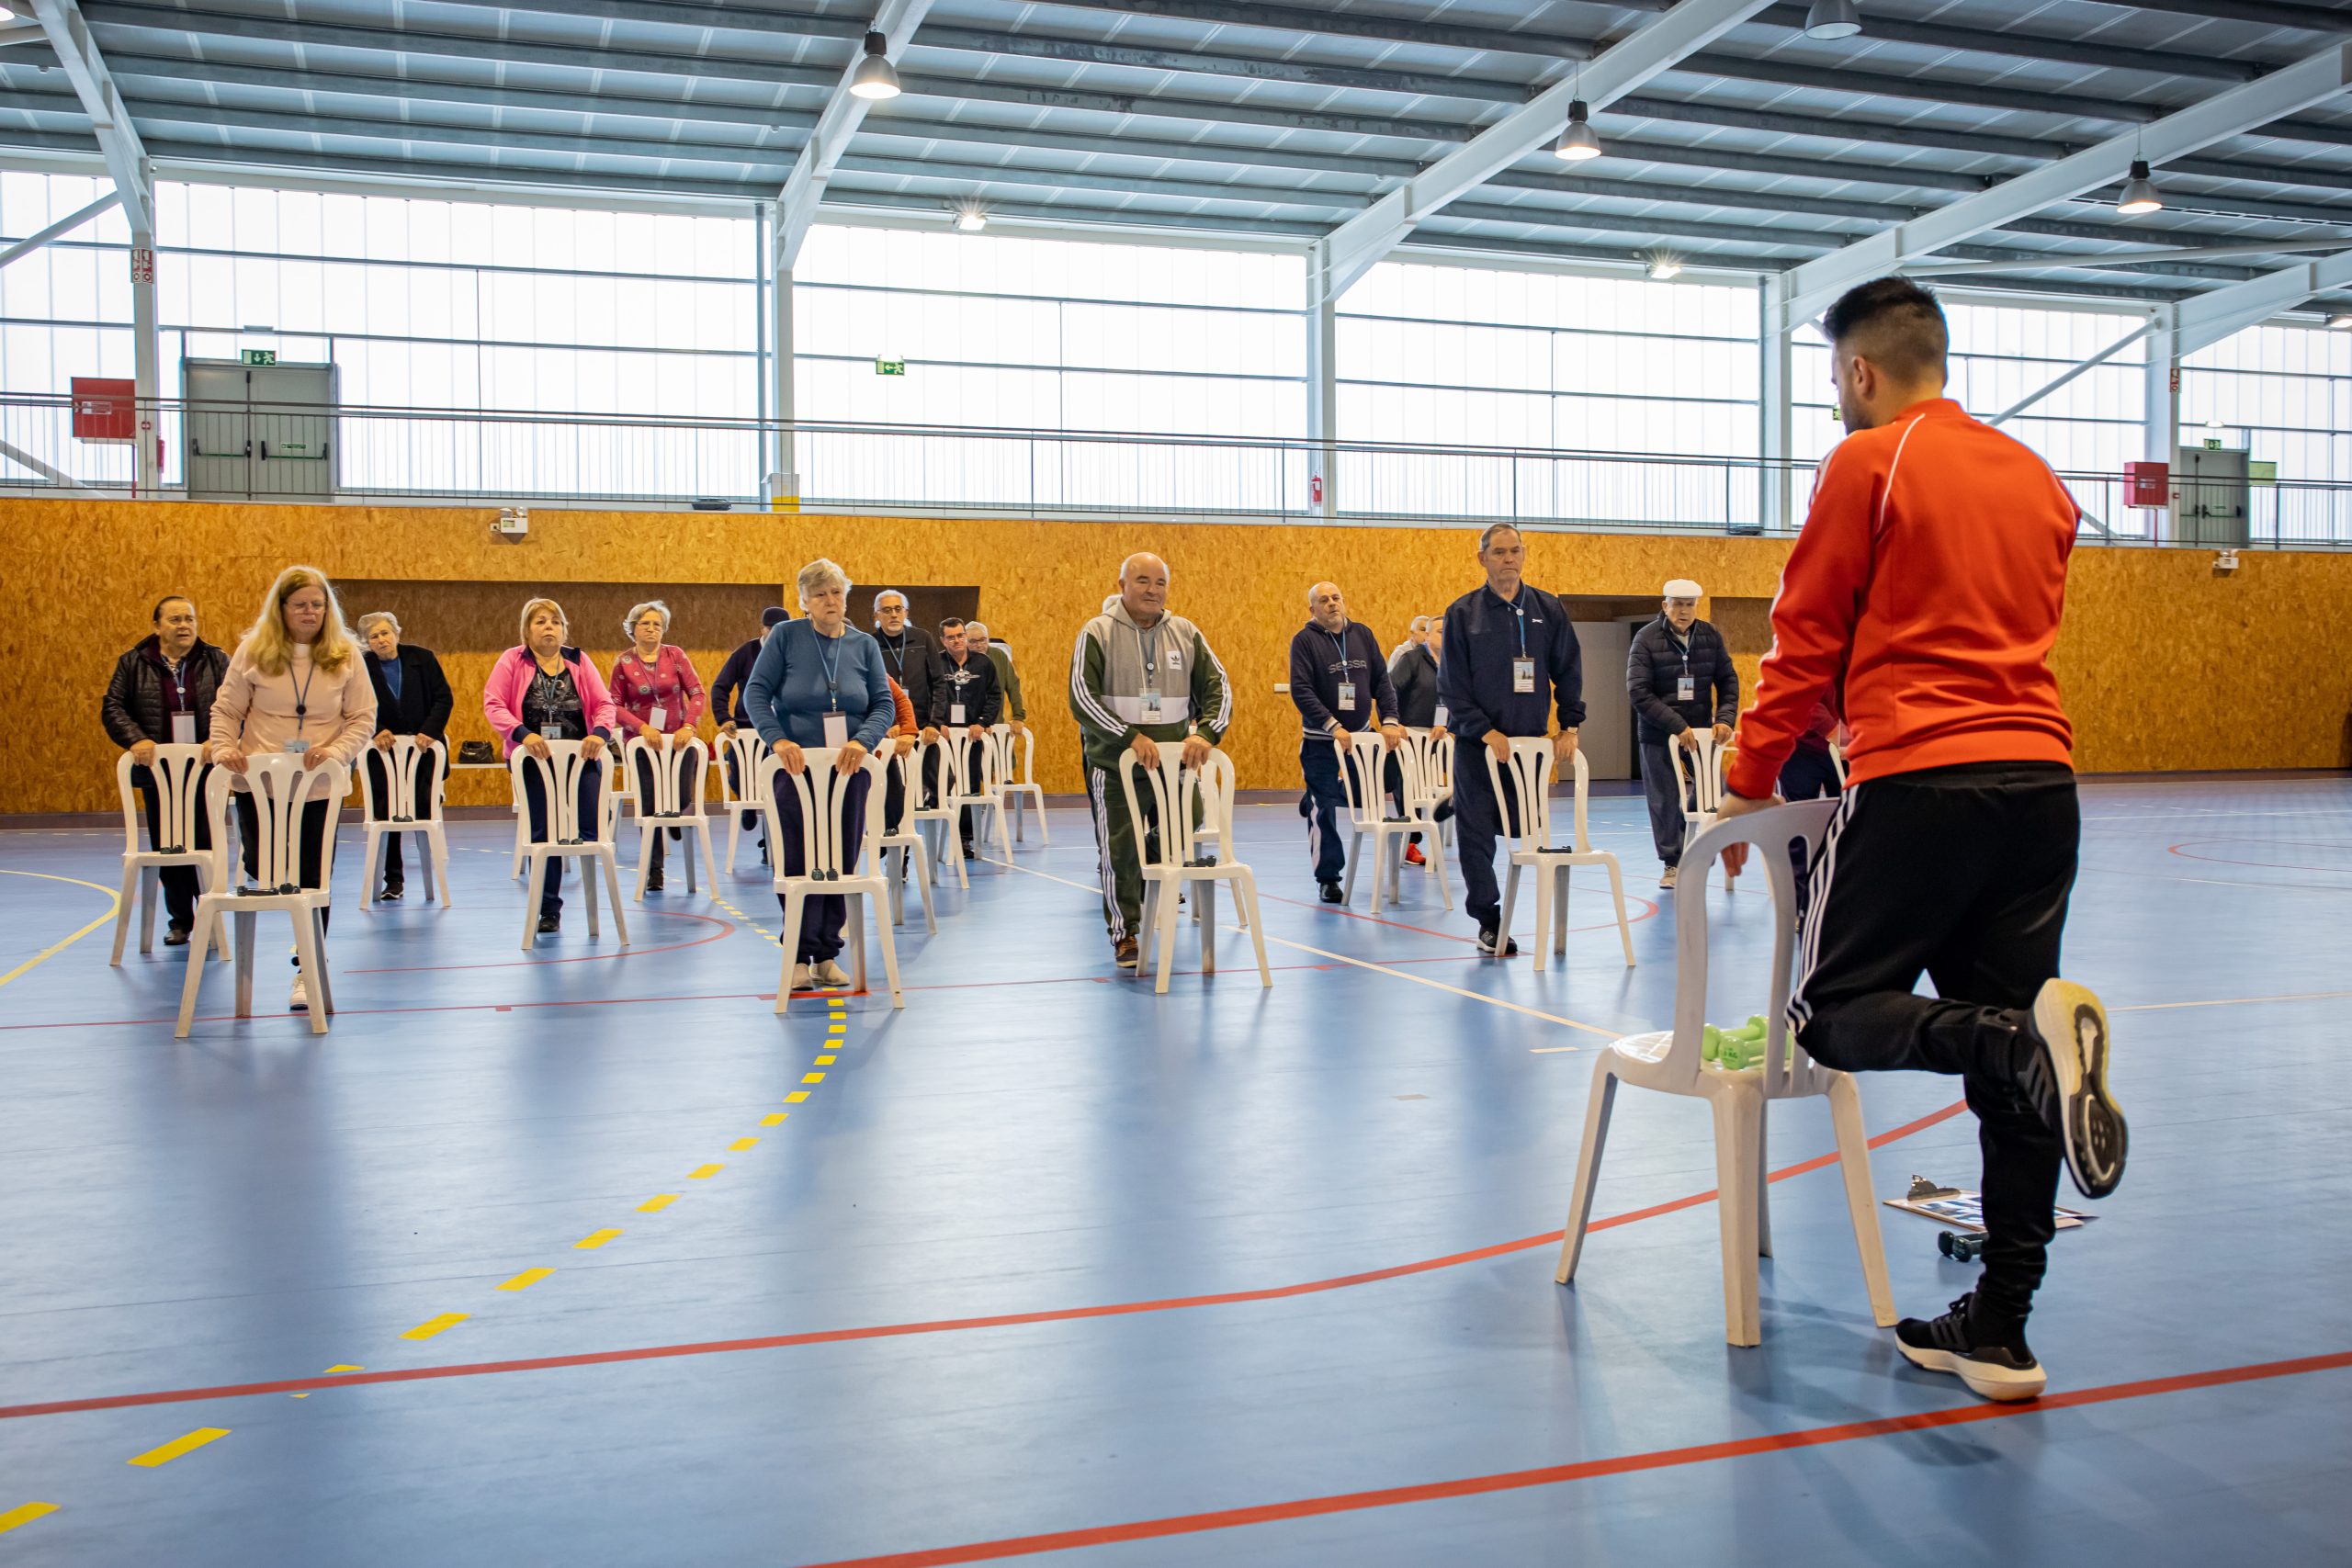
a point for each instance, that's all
(255, 711)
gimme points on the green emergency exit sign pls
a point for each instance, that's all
(260, 356)
(889, 366)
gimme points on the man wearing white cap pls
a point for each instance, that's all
(1680, 678)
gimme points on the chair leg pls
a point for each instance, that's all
(1854, 1165)
(1563, 885)
(645, 832)
(150, 893)
(534, 887)
(1356, 854)
(1245, 904)
(369, 863)
(122, 911)
(441, 864)
(1436, 861)
(1597, 1105)
(893, 871)
(1207, 909)
(207, 917)
(428, 837)
(856, 923)
(613, 882)
(890, 941)
(306, 948)
(709, 866)
(1147, 916)
(796, 908)
(1510, 898)
(1763, 1188)
(322, 987)
(1735, 1120)
(1168, 892)
(1543, 890)
(1617, 892)
(922, 886)
(589, 895)
(245, 964)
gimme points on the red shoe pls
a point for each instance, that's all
(1413, 855)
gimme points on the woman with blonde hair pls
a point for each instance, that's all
(657, 692)
(546, 690)
(295, 685)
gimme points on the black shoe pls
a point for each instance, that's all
(2065, 1075)
(653, 882)
(1487, 935)
(391, 893)
(176, 935)
(2004, 1369)
(1331, 894)
(549, 923)
(677, 835)
(969, 852)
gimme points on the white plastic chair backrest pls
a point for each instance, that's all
(823, 792)
(979, 768)
(1771, 830)
(403, 765)
(743, 781)
(907, 771)
(672, 796)
(1174, 789)
(280, 786)
(1021, 746)
(178, 802)
(1361, 777)
(1837, 762)
(1531, 784)
(1436, 754)
(948, 771)
(562, 773)
(1710, 768)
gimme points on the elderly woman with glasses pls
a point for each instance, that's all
(547, 689)
(820, 681)
(656, 692)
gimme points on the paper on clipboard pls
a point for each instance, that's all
(1965, 1209)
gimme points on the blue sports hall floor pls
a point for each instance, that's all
(582, 1255)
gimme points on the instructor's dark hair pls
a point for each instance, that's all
(950, 624)
(1893, 322)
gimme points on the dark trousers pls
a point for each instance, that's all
(534, 799)
(735, 782)
(689, 792)
(1479, 818)
(1668, 824)
(821, 920)
(180, 882)
(1322, 805)
(1962, 873)
(1807, 775)
(971, 776)
(380, 779)
(317, 851)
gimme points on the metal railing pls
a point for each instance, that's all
(299, 452)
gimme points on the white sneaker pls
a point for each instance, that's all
(800, 980)
(297, 1000)
(1665, 877)
(830, 974)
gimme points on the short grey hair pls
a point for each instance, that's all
(637, 612)
(818, 575)
(1487, 536)
(1145, 554)
(372, 616)
(888, 593)
(1420, 623)
(979, 626)
(1313, 586)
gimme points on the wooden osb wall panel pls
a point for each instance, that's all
(2162, 662)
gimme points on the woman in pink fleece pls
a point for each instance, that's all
(657, 692)
(546, 691)
(296, 683)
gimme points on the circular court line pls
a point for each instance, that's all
(114, 902)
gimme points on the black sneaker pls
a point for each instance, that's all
(1487, 935)
(2003, 1371)
(2066, 1076)
(1331, 894)
(175, 935)
(548, 924)
(391, 893)
(653, 882)
(1124, 952)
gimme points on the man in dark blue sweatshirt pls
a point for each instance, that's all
(1340, 685)
(1511, 654)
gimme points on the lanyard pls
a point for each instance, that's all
(1149, 648)
(302, 698)
(1340, 646)
(1519, 612)
(1683, 645)
(178, 674)
(899, 658)
(832, 666)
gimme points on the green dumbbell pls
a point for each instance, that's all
(1711, 1047)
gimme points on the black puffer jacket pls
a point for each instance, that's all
(135, 708)
(1653, 669)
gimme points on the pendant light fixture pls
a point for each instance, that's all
(1832, 20)
(1577, 143)
(876, 77)
(2139, 192)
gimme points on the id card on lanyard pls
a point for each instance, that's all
(1523, 669)
(183, 729)
(836, 721)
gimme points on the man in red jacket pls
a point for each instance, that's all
(1925, 589)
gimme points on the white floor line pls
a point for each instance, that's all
(2236, 1001)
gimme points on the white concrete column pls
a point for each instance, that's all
(1775, 398)
(146, 351)
(1322, 398)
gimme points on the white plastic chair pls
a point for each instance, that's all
(935, 813)
(1708, 795)
(1837, 762)
(741, 783)
(401, 766)
(672, 804)
(590, 843)
(901, 839)
(281, 788)
(831, 868)
(1015, 783)
(1176, 862)
(977, 783)
(1533, 761)
(1363, 779)
(1436, 754)
(1670, 1061)
(180, 807)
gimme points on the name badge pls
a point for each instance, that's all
(1347, 694)
(550, 733)
(1686, 689)
(656, 717)
(1151, 708)
(296, 748)
(183, 729)
(1437, 720)
(836, 731)
(1522, 674)
(954, 712)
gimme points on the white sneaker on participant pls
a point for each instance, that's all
(830, 974)
(298, 998)
(1665, 877)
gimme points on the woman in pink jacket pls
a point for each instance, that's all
(546, 691)
(657, 692)
(296, 683)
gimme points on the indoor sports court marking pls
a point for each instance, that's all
(1587, 1470)
(169, 1451)
(114, 902)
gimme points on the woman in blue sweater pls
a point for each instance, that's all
(818, 682)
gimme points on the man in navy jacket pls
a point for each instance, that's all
(1680, 676)
(1510, 653)
(1340, 685)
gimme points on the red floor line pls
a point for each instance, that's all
(2181, 850)
(901, 1330)
(1587, 1470)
